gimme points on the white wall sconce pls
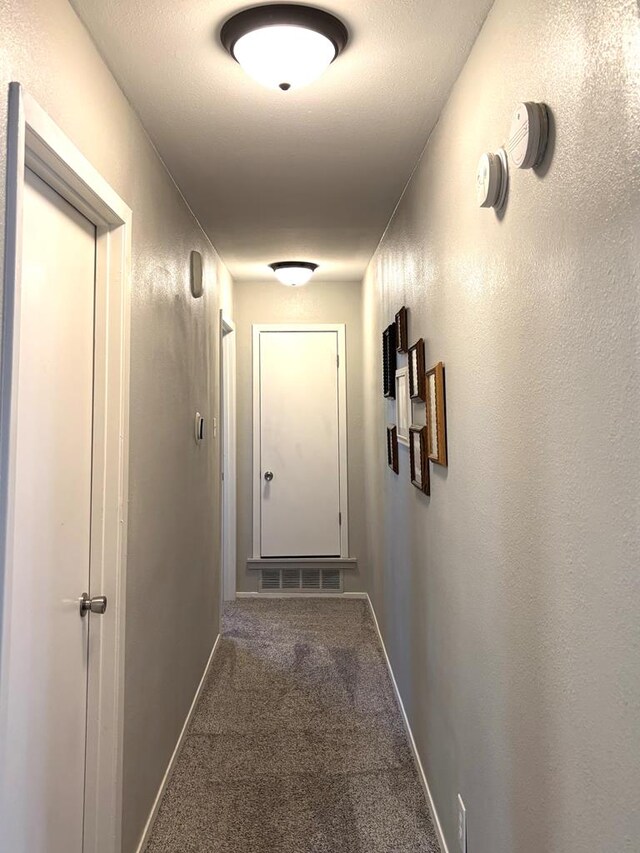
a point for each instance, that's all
(196, 275)
(284, 46)
(293, 273)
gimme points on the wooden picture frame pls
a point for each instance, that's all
(419, 461)
(436, 415)
(392, 448)
(417, 385)
(389, 361)
(402, 330)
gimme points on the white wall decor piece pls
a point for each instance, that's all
(196, 275)
(404, 406)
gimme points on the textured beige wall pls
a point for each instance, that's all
(172, 589)
(509, 600)
(316, 302)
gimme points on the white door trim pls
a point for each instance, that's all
(340, 329)
(34, 141)
(228, 426)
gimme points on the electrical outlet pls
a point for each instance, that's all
(462, 826)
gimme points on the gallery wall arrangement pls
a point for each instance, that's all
(414, 390)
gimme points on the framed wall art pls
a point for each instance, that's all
(392, 448)
(416, 371)
(436, 415)
(402, 333)
(404, 409)
(389, 361)
(419, 462)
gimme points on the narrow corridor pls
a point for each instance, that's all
(297, 744)
(319, 418)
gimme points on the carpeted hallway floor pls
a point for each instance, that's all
(297, 744)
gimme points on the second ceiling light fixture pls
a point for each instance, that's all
(293, 273)
(284, 46)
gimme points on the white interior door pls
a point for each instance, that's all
(43, 777)
(299, 444)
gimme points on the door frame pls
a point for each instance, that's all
(340, 329)
(228, 466)
(34, 141)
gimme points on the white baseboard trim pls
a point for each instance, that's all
(174, 757)
(412, 743)
(358, 595)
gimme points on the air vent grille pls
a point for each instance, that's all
(301, 580)
(311, 579)
(270, 579)
(291, 579)
(331, 580)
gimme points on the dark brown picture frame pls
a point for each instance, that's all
(436, 415)
(417, 385)
(392, 448)
(389, 362)
(419, 462)
(402, 330)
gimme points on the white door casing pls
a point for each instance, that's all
(36, 143)
(228, 427)
(300, 438)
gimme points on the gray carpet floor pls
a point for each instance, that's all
(297, 743)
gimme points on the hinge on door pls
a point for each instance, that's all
(338, 360)
(340, 519)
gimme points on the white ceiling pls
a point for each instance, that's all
(312, 174)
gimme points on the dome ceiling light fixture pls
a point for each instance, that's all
(293, 273)
(284, 46)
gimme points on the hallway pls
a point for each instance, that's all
(319, 418)
(297, 744)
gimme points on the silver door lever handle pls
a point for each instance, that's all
(98, 604)
(268, 475)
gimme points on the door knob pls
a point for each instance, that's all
(98, 604)
(268, 475)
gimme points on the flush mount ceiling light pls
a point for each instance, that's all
(284, 46)
(293, 273)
